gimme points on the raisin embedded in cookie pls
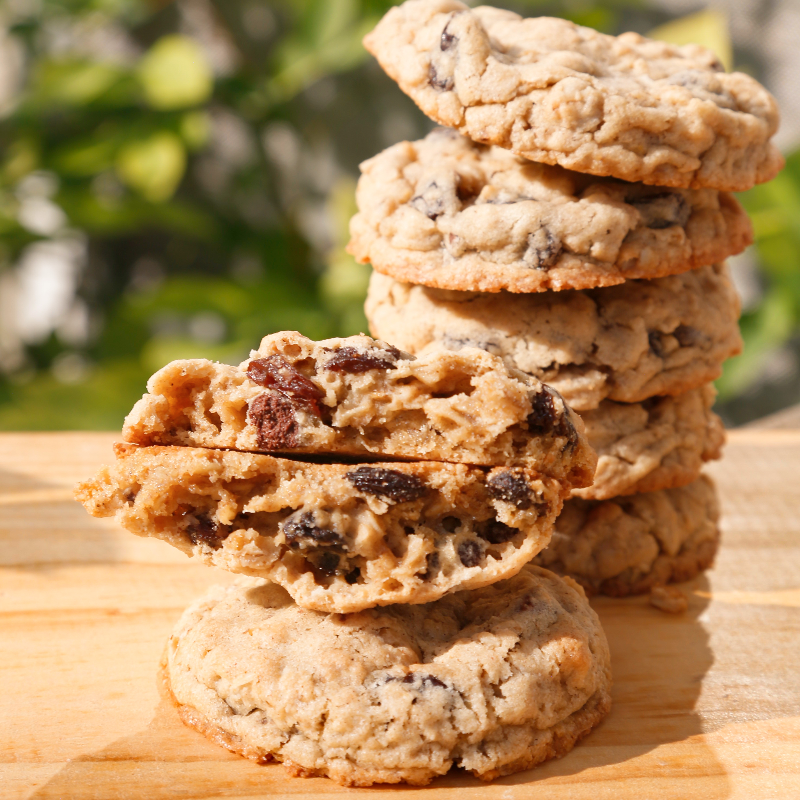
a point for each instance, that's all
(628, 545)
(494, 681)
(659, 443)
(449, 213)
(559, 93)
(624, 343)
(364, 398)
(338, 537)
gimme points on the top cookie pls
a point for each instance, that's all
(361, 397)
(559, 93)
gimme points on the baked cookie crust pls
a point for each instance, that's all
(628, 545)
(559, 93)
(494, 681)
(449, 213)
(338, 537)
(659, 443)
(624, 343)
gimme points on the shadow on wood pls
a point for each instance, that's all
(653, 738)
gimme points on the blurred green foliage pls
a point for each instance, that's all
(201, 157)
(774, 208)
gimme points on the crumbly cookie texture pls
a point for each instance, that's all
(629, 545)
(449, 213)
(363, 398)
(494, 681)
(559, 93)
(338, 537)
(659, 443)
(625, 343)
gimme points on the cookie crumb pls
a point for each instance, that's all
(669, 599)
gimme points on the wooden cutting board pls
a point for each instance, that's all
(706, 704)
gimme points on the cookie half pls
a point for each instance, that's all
(659, 443)
(494, 681)
(628, 545)
(363, 398)
(625, 343)
(338, 537)
(449, 213)
(559, 93)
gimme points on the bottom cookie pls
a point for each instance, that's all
(630, 544)
(494, 680)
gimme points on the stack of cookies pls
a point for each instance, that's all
(388, 506)
(573, 219)
(391, 623)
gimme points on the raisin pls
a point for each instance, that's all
(327, 562)
(543, 249)
(433, 200)
(425, 681)
(689, 337)
(446, 42)
(207, 532)
(442, 84)
(389, 483)
(510, 487)
(656, 345)
(470, 553)
(529, 603)
(544, 418)
(302, 531)
(431, 566)
(450, 524)
(497, 532)
(349, 359)
(275, 372)
(274, 420)
(662, 210)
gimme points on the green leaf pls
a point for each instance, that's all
(84, 157)
(75, 83)
(175, 74)
(195, 129)
(21, 158)
(154, 166)
(327, 40)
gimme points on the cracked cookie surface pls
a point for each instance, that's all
(628, 545)
(449, 213)
(495, 680)
(624, 343)
(559, 93)
(363, 398)
(338, 537)
(659, 443)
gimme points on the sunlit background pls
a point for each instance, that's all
(176, 180)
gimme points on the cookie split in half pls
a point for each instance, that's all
(449, 213)
(625, 343)
(560, 93)
(628, 545)
(362, 398)
(494, 681)
(338, 537)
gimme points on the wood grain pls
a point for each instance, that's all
(707, 704)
